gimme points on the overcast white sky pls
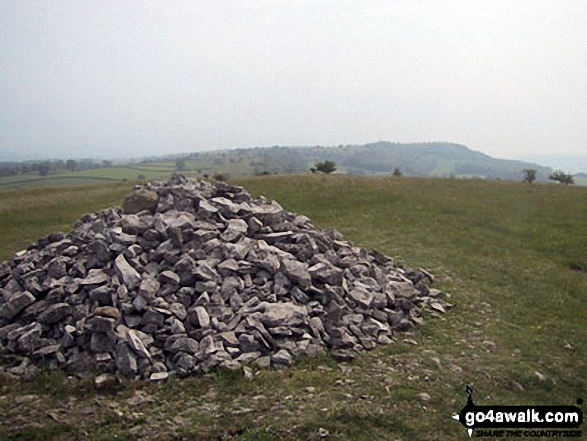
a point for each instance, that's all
(134, 78)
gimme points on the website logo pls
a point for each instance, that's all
(520, 421)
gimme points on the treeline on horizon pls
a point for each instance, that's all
(433, 159)
(44, 168)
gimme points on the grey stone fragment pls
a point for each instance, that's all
(100, 342)
(140, 303)
(282, 357)
(103, 357)
(159, 366)
(438, 307)
(119, 236)
(205, 271)
(176, 326)
(362, 296)
(402, 289)
(31, 339)
(341, 337)
(229, 338)
(18, 301)
(108, 311)
(205, 206)
(210, 346)
(178, 310)
(15, 333)
(102, 295)
(169, 277)
(248, 373)
(231, 365)
(247, 343)
(283, 314)
(248, 357)
(297, 271)
(383, 339)
(235, 229)
(133, 224)
(232, 351)
(185, 344)
(137, 345)
(226, 205)
(140, 200)
(153, 317)
(317, 327)
(125, 360)
(228, 267)
(201, 317)
(326, 273)
(104, 381)
(100, 250)
(185, 363)
(57, 268)
(148, 288)
(95, 277)
(6, 330)
(46, 350)
(343, 355)
(55, 313)
(374, 327)
(159, 376)
(254, 224)
(102, 324)
(127, 273)
(263, 362)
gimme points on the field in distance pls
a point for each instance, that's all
(513, 257)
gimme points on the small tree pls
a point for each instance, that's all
(529, 175)
(180, 164)
(71, 165)
(326, 166)
(562, 177)
(397, 173)
(44, 168)
(220, 177)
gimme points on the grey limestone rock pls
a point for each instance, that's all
(55, 313)
(140, 200)
(127, 273)
(282, 358)
(16, 303)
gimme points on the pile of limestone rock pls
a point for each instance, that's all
(189, 276)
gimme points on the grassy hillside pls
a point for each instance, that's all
(513, 258)
(435, 159)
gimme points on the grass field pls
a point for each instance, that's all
(513, 257)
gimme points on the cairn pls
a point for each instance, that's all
(188, 276)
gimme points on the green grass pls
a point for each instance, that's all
(95, 176)
(27, 215)
(513, 257)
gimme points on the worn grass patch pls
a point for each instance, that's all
(510, 255)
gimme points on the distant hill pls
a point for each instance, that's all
(423, 159)
(435, 159)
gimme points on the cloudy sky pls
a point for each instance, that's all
(133, 78)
